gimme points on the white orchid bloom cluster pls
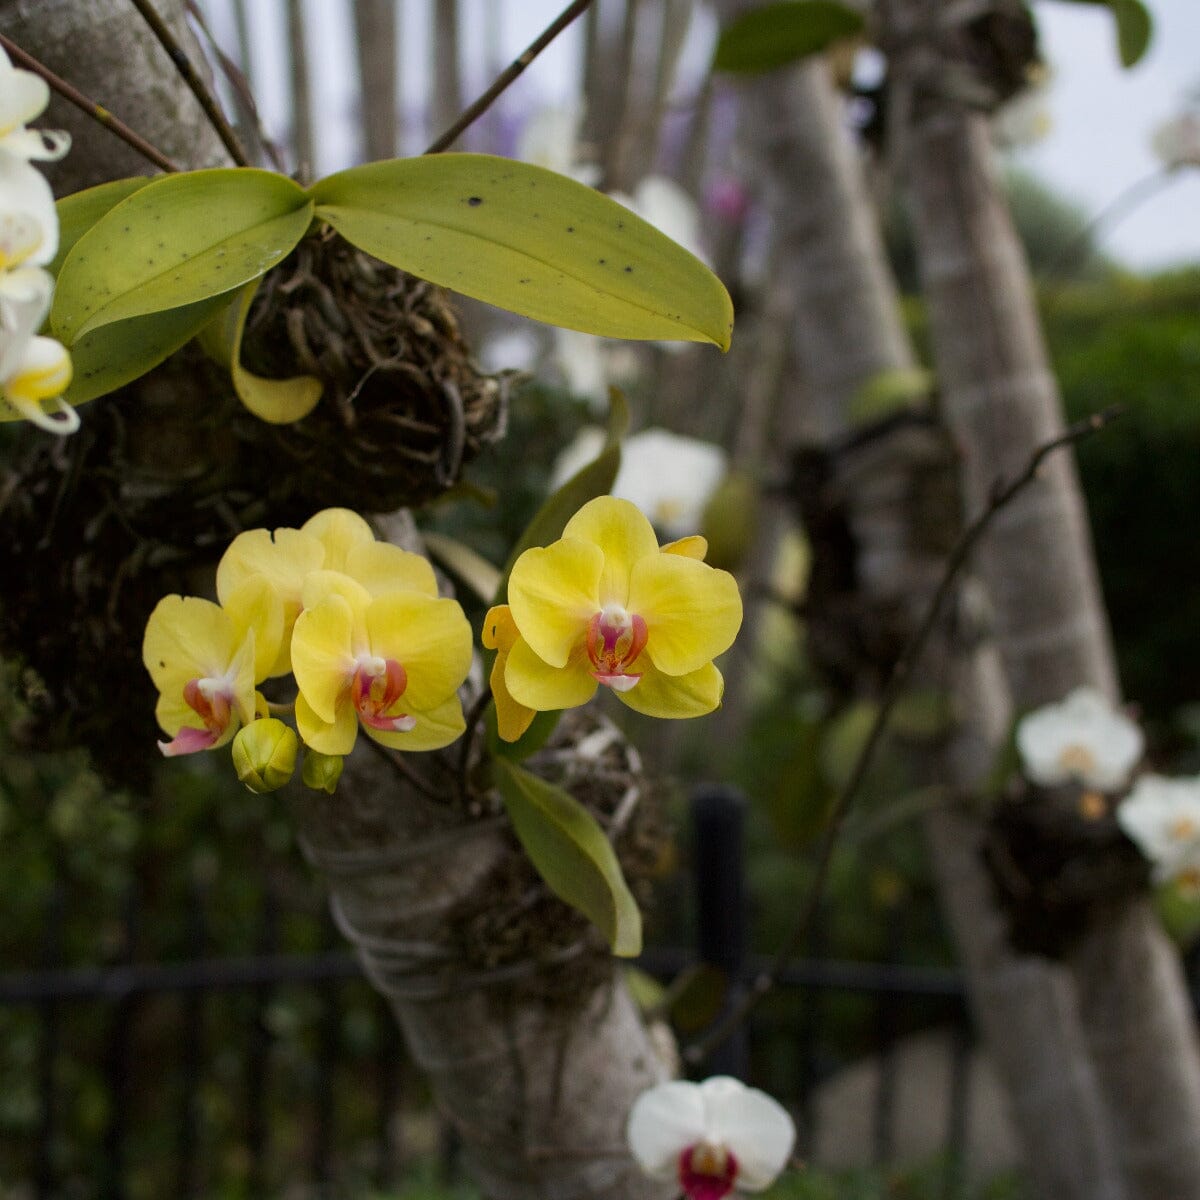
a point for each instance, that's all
(1176, 142)
(1162, 818)
(713, 1137)
(34, 370)
(1082, 740)
(669, 477)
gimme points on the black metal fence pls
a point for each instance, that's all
(344, 1111)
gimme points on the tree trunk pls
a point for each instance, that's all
(1002, 401)
(847, 329)
(375, 39)
(506, 997)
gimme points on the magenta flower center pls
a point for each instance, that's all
(615, 638)
(210, 700)
(378, 684)
(707, 1171)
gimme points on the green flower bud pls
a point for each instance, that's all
(264, 754)
(322, 771)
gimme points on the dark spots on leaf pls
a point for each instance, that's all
(620, 224)
(474, 201)
(526, 281)
(127, 228)
(628, 270)
(429, 237)
(162, 664)
(570, 228)
(603, 261)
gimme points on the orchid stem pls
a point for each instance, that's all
(1002, 495)
(506, 77)
(190, 76)
(85, 104)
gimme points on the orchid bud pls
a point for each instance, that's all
(321, 772)
(264, 754)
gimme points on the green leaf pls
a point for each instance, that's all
(1134, 28)
(777, 34)
(180, 239)
(1134, 24)
(277, 401)
(109, 358)
(462, 562)
(591, 480)
(540, 730)
(78, 212)
(571, 853)
(528, 240)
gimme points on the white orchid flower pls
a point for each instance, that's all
(24, 96)
(669, 477)
(33, 370)
(1177, 142)
(1162, 818)
(714, 1137)
(28, 218)
(1082, 739)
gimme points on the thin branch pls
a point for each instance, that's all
(97, 112)
(396, 761)
(191, 77)
(506, 77)
(468, 737)
(1002, 495)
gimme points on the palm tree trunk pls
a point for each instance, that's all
(846, 330)
(1001, 401)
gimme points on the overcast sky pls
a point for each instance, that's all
(1101, 115)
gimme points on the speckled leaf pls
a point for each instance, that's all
(180, 239)
(528, 240)
(113, 356)
(567, 846)
(277, 401)
(78, 212)
(777, 34)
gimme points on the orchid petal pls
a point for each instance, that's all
(40, 145)
(23, 98)
(694, 546)
(692, 611)
(753, 1126)
(320, 585)
(675, 696)
(255, 606)
(431, 639)
(339, 530)
(27, 195)
(334, 737)
(663, 1123)
(625, 536)
(323, 658)
(536, 684)
(553, 593)
(434, 728)
(186, 638)
(381, 568)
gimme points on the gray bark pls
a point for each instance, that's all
(847, 328)
(303, 144)
(120, 49)
(375, 37)
(1002, 401)
(536, 1062)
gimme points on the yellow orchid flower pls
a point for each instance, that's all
(392, 662)
(205, 660)
(607, 605)
(500, 634)
(336, 539)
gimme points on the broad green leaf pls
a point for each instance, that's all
(277, 401)
(592, 480)
(1134, 24)
(528, 240)
(78, 212)
(1134, 27)
(777, 34)
(571, 853)
(180, 239)
(464, 563)
(109, 358)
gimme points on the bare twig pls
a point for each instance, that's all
(395, 760)
(191, 77)
(1002, 495)
(508, 75)
(464, 758)
(97, 112)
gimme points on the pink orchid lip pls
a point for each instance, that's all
(378, 685)
(210, 700)
(707, 1171)
(615, 638)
